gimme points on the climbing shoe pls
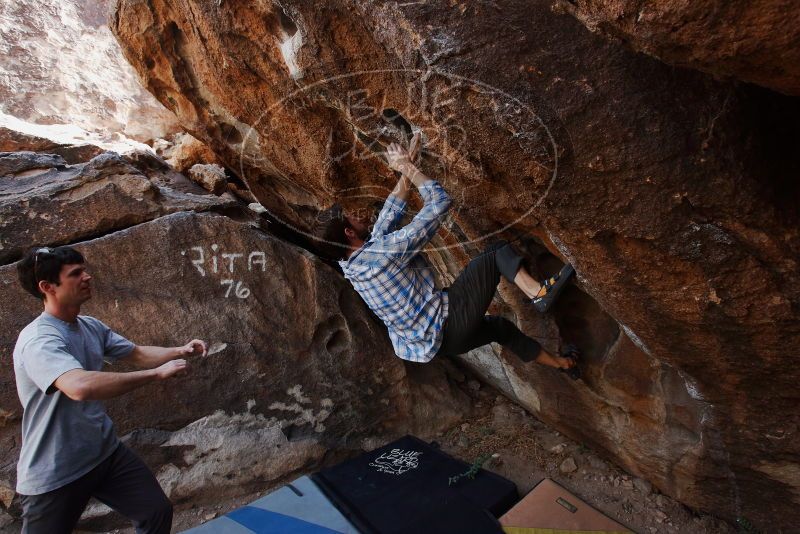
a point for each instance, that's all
(551, 288)
(571, 351)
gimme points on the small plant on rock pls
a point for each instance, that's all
(472, 471)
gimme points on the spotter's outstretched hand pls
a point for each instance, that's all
(194, 347)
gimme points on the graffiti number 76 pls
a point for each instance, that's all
(239, 290)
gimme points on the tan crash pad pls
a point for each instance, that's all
(550, 509)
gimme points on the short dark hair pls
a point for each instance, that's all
(329, 230)
(44, 263)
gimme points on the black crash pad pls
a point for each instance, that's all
(404, 487)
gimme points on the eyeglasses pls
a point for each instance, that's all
(39, 252)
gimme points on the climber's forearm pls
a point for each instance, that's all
(402, 189)
(411, 171)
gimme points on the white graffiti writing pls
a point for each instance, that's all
(240, 291)
(215, 261)
(256, 259)
(259, 258)
(396, 462)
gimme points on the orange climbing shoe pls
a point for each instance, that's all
(551, 288)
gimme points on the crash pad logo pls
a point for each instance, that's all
(396, 462)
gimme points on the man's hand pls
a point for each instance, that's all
(398, 157)
(170, 368)
(151, 357)
(194, 347)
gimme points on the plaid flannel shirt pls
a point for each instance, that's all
(393, 278)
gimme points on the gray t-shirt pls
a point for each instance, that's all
(62, 439)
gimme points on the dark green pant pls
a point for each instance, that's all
(122, 482)
(467, 325)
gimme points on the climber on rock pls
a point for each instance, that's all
(70, 451)
(387, 269)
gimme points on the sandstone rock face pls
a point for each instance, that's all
(21, 163)
(210, 177)
(61, 65)
(670, 192)
(218, 448)
(44, 201)
(754, 41)
(297, 367)
(182, 151)
(13, 141)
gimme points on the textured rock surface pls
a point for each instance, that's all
(13, 141)
(754, 41)
(61, 65)
(209, 176)
(323, 385)
(672, 194)
(45, 202)
(222, 451)
(182, 151)
(20, 163)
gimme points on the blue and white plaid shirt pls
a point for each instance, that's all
(393, 278)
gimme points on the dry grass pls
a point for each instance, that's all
(485, 439)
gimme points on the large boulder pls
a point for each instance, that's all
(757, 41)
(44, 201)
(670, 192)
(14, 141)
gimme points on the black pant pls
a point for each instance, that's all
(467, 325)
(122, 481)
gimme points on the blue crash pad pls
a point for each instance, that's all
(297, 508)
